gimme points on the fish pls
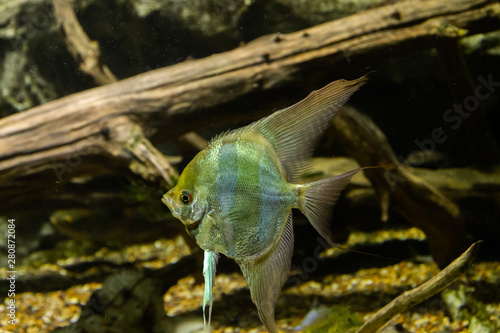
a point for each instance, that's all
(236, 196)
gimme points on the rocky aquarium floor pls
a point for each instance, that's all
(360, 293)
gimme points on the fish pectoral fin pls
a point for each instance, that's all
(317, 199)
(266, 276)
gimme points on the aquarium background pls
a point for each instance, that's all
(96, 250)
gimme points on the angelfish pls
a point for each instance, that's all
(236, 196)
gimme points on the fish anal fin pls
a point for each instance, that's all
(266, 276)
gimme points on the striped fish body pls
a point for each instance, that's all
(236, 196)
(248, 197)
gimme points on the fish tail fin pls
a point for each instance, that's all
(316, 200)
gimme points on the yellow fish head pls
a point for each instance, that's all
(187, 201)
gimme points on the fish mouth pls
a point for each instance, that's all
(196, 224)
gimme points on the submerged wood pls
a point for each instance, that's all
(87, 52)
(424, 205)
(103, 129)
(486, 151)
(421, 293)
(80, 46)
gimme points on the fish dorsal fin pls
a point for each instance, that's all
(295, 131)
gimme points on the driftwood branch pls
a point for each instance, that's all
(88, 54)
(147, 161)
(84, 50)
(421, 293)
(90, 131)
(399, 188)
(486, 150)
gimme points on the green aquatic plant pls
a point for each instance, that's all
(143, 197)
(463, 305)
(334, 319)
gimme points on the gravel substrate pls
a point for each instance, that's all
(362, 292)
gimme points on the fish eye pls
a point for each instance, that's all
(186, 197)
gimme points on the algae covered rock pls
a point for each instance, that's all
(24, 28)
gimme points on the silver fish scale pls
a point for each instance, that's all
(251, 212)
